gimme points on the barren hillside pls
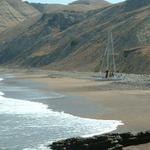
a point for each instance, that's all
(13, 12)
(92, 2)
(77, 6)
(76, 41)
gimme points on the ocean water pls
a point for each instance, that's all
(30, 125)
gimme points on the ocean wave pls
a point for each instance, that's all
(35, 119)
(37, 116)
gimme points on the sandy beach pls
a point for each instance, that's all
(132, 107)
(108, 100)
(127, 104)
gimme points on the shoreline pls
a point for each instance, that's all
(109, 100)
(104, 100)
(130, 106)
(133, 110)
(14, 82)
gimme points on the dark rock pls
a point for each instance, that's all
(103, 142)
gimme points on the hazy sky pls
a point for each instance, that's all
(65, 1)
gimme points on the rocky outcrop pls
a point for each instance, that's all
(103, 142)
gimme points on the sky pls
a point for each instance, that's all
(65, 1)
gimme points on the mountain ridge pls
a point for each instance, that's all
(88, 2)
(81, 44)
(76, 6)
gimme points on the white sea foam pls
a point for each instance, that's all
(75, 126)
(1, 94)
(1, 79)
(36, 117)
(15, 106)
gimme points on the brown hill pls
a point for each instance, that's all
(90, 2)
(77, 6)
(14, 12)
(47, 8)
(8, 16)
(23, 8)
(66, 42)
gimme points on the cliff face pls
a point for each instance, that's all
(71, 40)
